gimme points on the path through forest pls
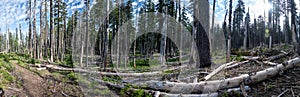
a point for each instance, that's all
(32, 83)
(46, 84)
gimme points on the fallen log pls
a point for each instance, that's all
(213, 86)
(281, 94)
(217, 70)
(165, 94)
(236, 64)
(144, 74)
(250, 57)
(281, 55)
(59, 68)
(270, 63)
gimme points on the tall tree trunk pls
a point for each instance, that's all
(58, 43)
(87, 32)
(7, 40)
(81, 41)
(21, 40)
(211, 34)
(34, 32)
(51, 31)
(117, 34)
(294, 28)
(106, 36)
(162, 30)
(17, 46)
(29, 32)
(245, 36)
(45, 31)
(229, 32)
(41, 33)
(64, 39)
(201, 37)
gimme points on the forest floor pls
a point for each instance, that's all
(287, 84)
(29, 81)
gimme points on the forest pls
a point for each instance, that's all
(152, 48)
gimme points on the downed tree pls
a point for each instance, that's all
(236, 64)
(213, 86)
(217, 70)
(144, 74)
(165, 94)
(283, 54)
(59, 68)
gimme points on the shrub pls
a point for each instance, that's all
(33, 61)
(68, 61)
(140, 93)
(140, 62)
(6, 58)
(7, 77)
(173, 60)
(72, 76)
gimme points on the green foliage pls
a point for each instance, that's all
(33, 61)
(7, 66)
(173, 60)
(270, 87)
(72, 76)
(134, 93)
(140, 62)
(112, 79)
(5, 57)
(140, 93)
(168, 72)
(237, 58)
(6, 77)
(225, 94)
(125, 89)
(68, 61)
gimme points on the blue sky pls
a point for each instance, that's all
(12, 12)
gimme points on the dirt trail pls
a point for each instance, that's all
(32, 83)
